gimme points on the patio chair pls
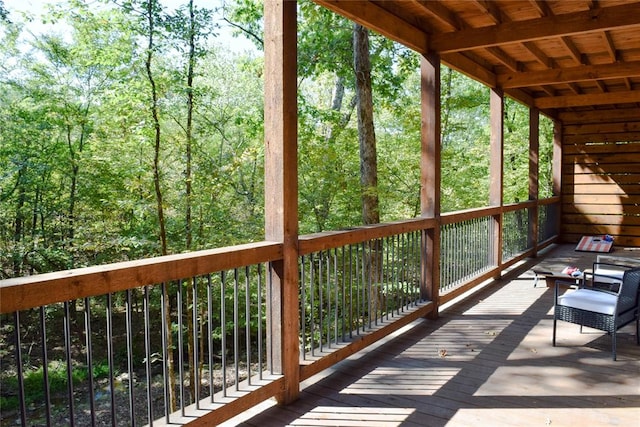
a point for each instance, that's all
(601, 309)
(606, 275)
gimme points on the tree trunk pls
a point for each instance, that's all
(366, 132)
(150, 15)
(368, 163)
(156, 124)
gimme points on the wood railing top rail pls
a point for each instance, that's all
(465, 215)
(34, 291)
(334, 239)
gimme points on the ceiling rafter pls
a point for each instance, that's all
(491, 9)
(611, 48)
(542, 7)
(441, 13)
(599, 19)
(540, 56)
(505, 59)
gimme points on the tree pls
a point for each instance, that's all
(366, 130)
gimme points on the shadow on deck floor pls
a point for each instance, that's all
(485, 362)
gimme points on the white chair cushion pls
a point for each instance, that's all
(586, 299)
(612, 276)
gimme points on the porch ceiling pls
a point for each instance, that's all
(556, 55)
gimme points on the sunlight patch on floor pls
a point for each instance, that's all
(402, 381)
(554, 417)
(354, 416)
(555, 381)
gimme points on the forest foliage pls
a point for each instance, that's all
(120, 119)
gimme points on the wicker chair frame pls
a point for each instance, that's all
(626, 310)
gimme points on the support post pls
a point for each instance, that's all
(556, 170)
(534, 176)
(496, 105)
(281, 189)
(430, 170)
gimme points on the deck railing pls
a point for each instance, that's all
(346, 291)
(168, 340)
(516, 231)
(467, 250)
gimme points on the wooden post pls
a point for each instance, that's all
(534, 178)
(281, 188)
(496, 104)
(430, 169)
(556, 170)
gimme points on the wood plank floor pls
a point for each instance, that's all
(485, 362)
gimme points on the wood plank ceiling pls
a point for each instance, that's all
(557, 55)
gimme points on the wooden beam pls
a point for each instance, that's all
(588, 99)
(600, 116)
(568, 75)
(601, 19)
(374, 17)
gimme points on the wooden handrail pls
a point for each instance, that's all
(34, 291)
(334, 239)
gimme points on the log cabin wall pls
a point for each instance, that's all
(601, 176)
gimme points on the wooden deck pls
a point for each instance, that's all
(485, 362)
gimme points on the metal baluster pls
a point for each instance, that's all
(147, 350)
(223, 326)
(45, 366)
(303, 305)
(166, 329)
(21, 396)
(344, 294)
(236, 321)
(112, 390)
(321, 300)
(196, 353)
(87, 325)
(247, 321)
(368, 282)
(67, 346)
(394, 273)
(269, 292)
(260, 361)
(402, 272)
(385, 278)
(336, 301)
(350, 291)
(210, 334)
(363, 285)
(180, 349)
(312, 322)
(328, 297)
(129, 324)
